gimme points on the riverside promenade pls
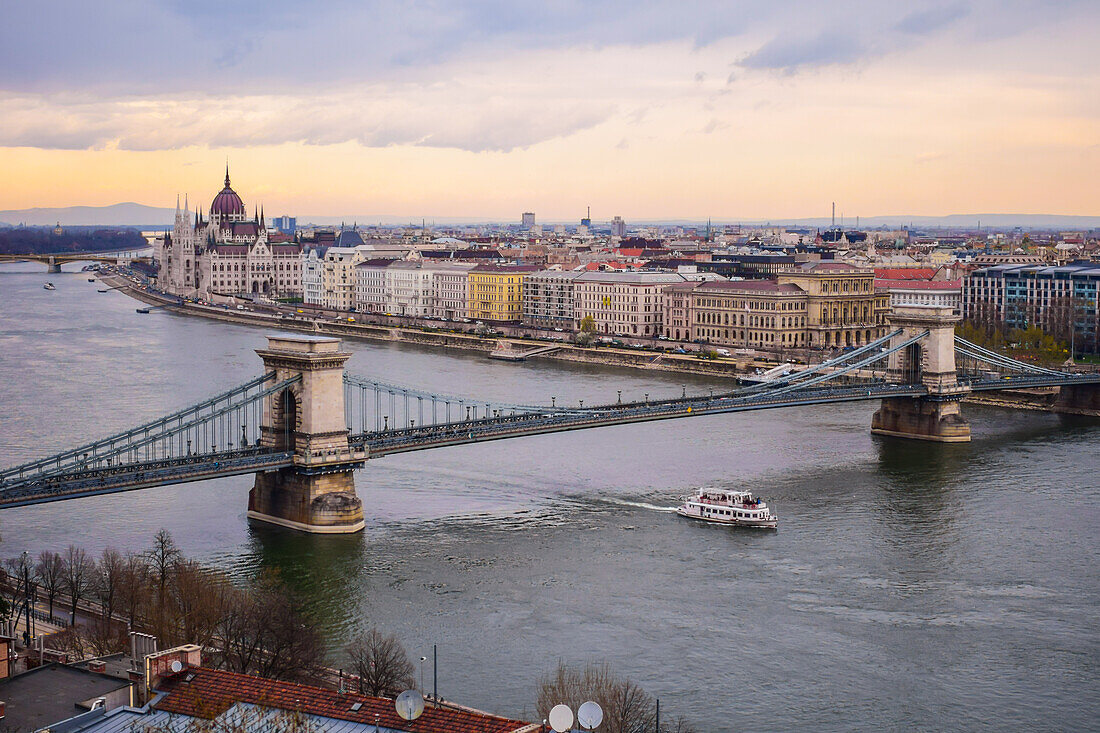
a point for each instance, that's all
(288, 319)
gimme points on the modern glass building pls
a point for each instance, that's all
(1051, 297)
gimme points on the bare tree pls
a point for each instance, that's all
(198, 598)
(381, 663)
(133, 587)
(78, 577)
(627, 707)
(162, 559)
(263, 633)
(49, 570)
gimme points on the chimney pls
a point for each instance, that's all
(97, 665)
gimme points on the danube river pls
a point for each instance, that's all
(910, 586)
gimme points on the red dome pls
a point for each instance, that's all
(227, 203)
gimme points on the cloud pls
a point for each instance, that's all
(371, 117)
(922, 22)
(789, 53)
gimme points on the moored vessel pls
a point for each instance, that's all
(722, 506)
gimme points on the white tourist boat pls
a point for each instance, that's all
(720, 506)
(49, 286)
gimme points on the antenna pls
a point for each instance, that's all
(409, 704)
(834, 215)
(589, 715)
(561, 718)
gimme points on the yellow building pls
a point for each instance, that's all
(496, 292)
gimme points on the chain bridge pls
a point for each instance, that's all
(305, 425)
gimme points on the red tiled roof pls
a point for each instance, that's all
(919, 284)
(211, 692)
(905, 273)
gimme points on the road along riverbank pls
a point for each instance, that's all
(607, 356)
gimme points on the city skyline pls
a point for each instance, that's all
(486, 111)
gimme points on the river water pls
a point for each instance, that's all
(910, 586)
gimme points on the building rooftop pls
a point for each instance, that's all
(751, 286)
(50, 693)
(208, 693)
(631, 278)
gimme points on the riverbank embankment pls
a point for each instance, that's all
(604, 356)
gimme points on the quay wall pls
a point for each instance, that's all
(605, 356)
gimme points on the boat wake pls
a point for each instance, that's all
(641, 505)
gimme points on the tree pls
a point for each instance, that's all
(627, 708)
(134, 587)
(77, 578)
(263, 633)
(49, 570)
(588, 325)
(381, 663)
(106, 635)
(162, 559)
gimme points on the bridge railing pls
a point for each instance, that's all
(370, 404)
(229, 419)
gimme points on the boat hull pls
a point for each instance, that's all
(731, 521)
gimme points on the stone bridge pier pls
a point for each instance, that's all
(53, 266)
(931, 362)
(316, 494)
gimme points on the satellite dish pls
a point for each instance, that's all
(589, 715)
(409, 704)
(561, 718)
(176, 665)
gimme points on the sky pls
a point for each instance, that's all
(442, 108)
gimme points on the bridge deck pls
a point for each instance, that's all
(126, 477)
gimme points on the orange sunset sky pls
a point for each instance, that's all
(488, 109)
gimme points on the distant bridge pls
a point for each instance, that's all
(305, 425)
(55, 260)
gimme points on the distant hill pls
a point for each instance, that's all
(131, 214)
(128, 214)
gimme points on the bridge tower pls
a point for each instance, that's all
(931, 362)
(316, 494)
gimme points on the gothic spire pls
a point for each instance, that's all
(227, 172)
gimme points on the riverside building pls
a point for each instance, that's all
(820, 305)
(496, 292)
(623, 303)
(549, 299)
(1023, 295)
(229, 254)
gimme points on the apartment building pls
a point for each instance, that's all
(450, 286)
(549, 300)
(496, 292)
(623, 303)
(370, 285)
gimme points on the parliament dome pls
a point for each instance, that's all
(227, 204)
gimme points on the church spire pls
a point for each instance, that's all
(227, 173)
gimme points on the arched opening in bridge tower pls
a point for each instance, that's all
(913, 356)
(288, 408)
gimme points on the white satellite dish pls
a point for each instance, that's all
(409, 704)
(176, 665)
(589, 715)
(561, 718)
